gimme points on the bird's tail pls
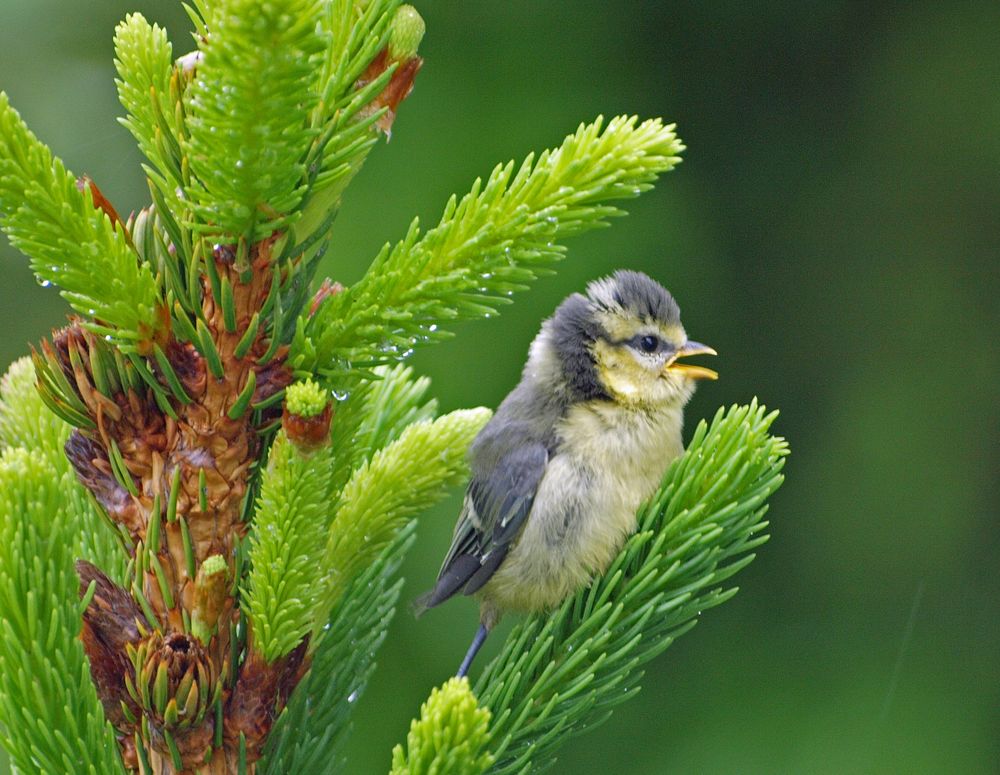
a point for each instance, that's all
(422, 604)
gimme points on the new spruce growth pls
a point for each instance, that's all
(210, 476)
(450, 736)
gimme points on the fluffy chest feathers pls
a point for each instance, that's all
(628, 449)
(608, 459)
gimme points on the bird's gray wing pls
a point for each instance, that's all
(505, 477)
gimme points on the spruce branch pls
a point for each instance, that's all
(144, 61)
(309, 544)
(286, 547)
(248, 113)
(73, 243)
(450, 736)
(399, 481)
(363, 80)
(375, 412)
(25, 422)
(309, 735)
(358, 30)
(493, 242)
(562, 673)
(50, 717)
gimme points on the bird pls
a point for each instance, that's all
(559, 471)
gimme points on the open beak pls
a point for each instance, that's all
(688, 370)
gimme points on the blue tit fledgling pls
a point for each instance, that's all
(586, 436)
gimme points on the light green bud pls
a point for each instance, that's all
(406, 33)
(306, 399)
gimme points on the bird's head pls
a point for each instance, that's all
(624, 340)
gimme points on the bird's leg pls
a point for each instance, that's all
(477, 643)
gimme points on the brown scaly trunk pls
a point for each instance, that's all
(174, 665)
(190, 476)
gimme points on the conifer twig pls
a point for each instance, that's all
(71, 242)
(50, 717)
(493, 242)
(310, 734)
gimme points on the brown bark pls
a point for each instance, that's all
(261, 692)
(110, 623)
(397, 90)
(211, 455)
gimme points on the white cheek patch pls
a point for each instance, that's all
(651, 362)
(625, 374)
(623, 388)
(637, 379)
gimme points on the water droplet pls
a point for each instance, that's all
(45, 283)
(432, 327)
(352, 696)
(340, 395)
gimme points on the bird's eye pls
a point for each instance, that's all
(648, 343)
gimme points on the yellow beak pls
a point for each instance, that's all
(687, 370)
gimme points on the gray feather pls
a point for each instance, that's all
(508, 460)
(641, 296)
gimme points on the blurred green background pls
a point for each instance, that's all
(833, 232)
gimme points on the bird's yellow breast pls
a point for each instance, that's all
(609, 459)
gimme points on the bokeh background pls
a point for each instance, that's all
(833, 232)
